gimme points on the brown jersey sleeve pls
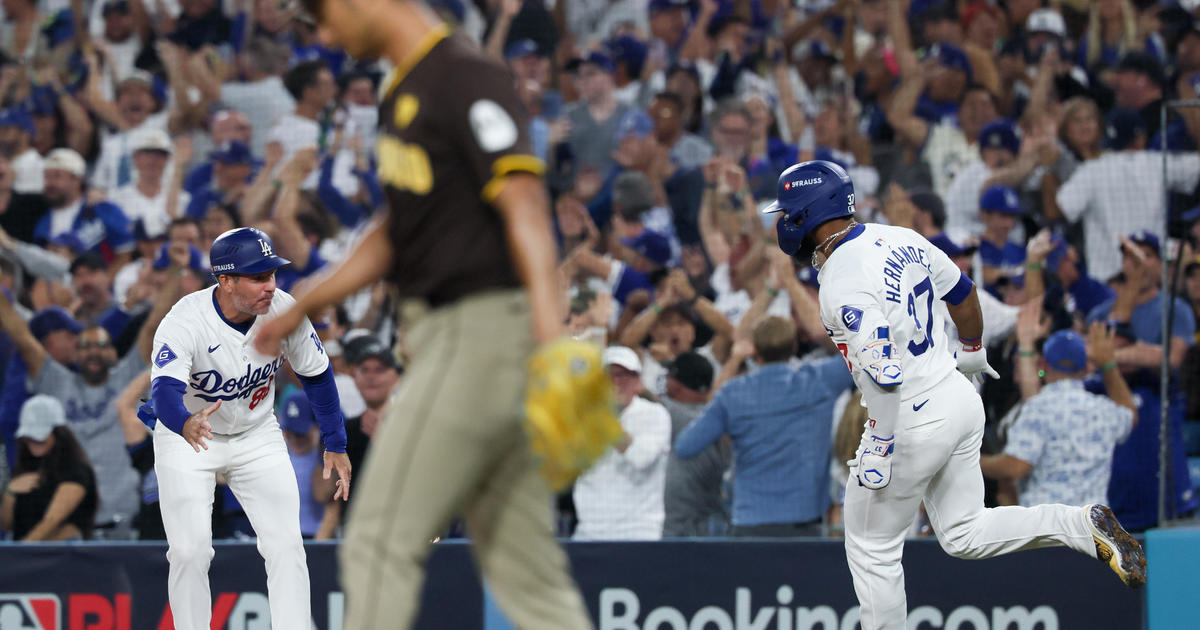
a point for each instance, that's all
(491, 124)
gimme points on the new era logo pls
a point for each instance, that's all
(164, 356)
(32, 611)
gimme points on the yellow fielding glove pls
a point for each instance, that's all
(570, 409)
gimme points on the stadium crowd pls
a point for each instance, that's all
(1022, 137)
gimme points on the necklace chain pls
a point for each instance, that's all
(817, 262)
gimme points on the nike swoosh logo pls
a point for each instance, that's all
(916, 407)
(211, 348)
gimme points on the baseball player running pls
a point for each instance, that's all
(213, 395)
(925, 420)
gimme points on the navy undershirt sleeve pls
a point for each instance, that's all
(327, 409)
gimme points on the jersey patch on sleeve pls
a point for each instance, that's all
(494, 129)
(164, 356)
(852, 317)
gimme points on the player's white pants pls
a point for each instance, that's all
(260, 474)
(937, 461)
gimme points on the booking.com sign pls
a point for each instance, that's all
(621, 609)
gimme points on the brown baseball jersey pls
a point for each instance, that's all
(451, 130)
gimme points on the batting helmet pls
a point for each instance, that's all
(244, 251)
(809, 194)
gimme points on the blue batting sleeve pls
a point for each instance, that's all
(327, 409)
(166, 396)
(960, 291)
(346, 212)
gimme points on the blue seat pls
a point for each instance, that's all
(1194, 471)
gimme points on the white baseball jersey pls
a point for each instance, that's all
(198, 346)
(882, 275)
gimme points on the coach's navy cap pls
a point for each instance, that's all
(50, 319)
(39, 415)
(297, 416)
(1122, 127)
(1065, 351)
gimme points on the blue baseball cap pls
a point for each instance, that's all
(50, 319)
(1065, 351)
(651, 245)
(1000, 134)
(635, 122)
(1148, 239)
(521, 48)
(233, 152)
(630, 50)
(163, 260)
(1122, 127)
(951, 57)
(1000, 198)
(296, 414)
(600, 60)
(43, 101)
(17, 117)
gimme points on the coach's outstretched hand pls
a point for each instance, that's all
(341, 463)
(197, 429)
(270, 335)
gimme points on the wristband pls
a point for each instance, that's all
(1111, 365)
(1033, 266)
(971, 344)
(1027, 353)
(773, 292)
(656, 308)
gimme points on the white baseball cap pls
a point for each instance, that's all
(1046, 21)
(152, 139)
(65, 160)
(39, 415)
(622, 356)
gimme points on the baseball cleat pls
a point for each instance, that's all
(1115, 547)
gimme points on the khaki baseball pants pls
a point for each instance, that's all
(451, 443)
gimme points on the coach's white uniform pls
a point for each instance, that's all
(196, 345)
(889, 276)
